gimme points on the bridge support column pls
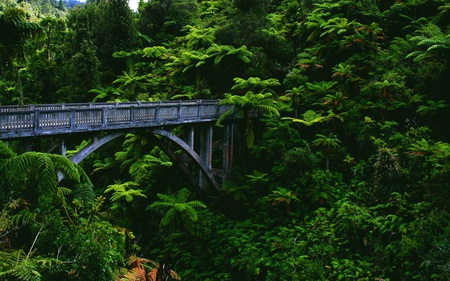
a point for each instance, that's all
(227, 150)
(189, 136)
(63, 147)
(205, 149)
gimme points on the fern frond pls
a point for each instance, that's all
(413, 54)
(436, 46)
(159, 205)
(191, 213)
(84, 193)
(124, 190)
(224, 116)
(23, 217)
(64, 165)
(422, 56)
(183, 195)
(197, 204)
(46, 177)
(426, 42)
(26, 271)
(135, 274)
(168, 217)
(8, 259)
(19, 267)
(166, 197)
(181, 207)
(19, 166)
(83, 176)
(65, 191)
(135, 259)
(268, 109)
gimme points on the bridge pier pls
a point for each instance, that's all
(189, 136)
(63, 147)
(205, 149)
(227, 150)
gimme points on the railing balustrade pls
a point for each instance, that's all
(51, 119)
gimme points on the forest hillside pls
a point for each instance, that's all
(342, 156)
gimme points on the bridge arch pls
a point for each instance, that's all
(165, 147)
(97, 143)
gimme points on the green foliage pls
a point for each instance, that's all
(174, 205)
(260, 102)
(40, 170)
(388, 175)
(282, 195)
(125, 191)
(431, 41)
(360, 85)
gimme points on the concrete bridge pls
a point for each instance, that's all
(108, 121)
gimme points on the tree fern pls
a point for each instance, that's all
(432, 107)
(34, 166)
(431, 41)
(123, 191)
(175, 205)
(261, 102)
(41, 170)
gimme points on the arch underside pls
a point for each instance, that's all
(165, 147)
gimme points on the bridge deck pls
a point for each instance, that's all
(54, 119)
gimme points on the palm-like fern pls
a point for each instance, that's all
(15, 18)
(262, 102)
(310, 117)
(40, 174)
(431, 41)
(282, 195)
(124, 191)
(432, 107)
(40, 169)
(176, 205)
(328, 143)
(130, 82)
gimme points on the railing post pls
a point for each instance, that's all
(132, 115)
(104, 117)
(36, 122)
(199, 109)
(72, 120)
(157, 109)
(179, 111)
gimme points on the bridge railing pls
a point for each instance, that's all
(52, 119)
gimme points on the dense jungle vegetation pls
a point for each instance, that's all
(344, 175)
